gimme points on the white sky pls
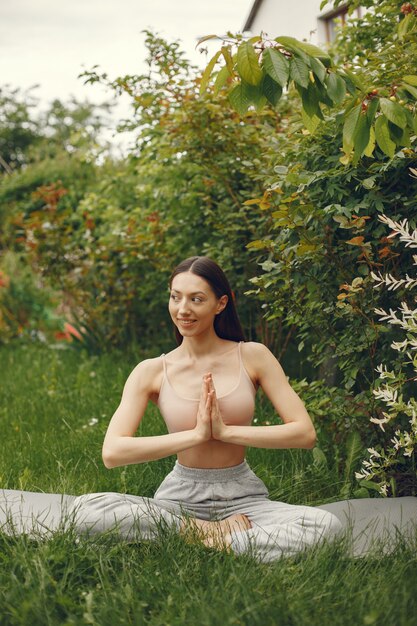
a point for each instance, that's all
(50, 42)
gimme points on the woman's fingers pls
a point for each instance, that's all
(210, 385)
(203, 394)
(215, 404)
(217, 424)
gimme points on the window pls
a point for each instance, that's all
(334, 20)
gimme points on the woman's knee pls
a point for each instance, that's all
(91, 501)
(86, 513)
(332, 525)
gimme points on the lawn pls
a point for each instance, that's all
(54, 409)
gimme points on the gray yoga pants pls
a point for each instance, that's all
(277, 529)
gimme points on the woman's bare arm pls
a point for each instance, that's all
(296, 432)
(121, 447)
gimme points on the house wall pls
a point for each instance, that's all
(294, 18)
(297, 18)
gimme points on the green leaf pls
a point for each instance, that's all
(293, 44)
(382, 136)
(369, 150)
(372, 109)
(242, 98)
(336, 87)
(354, 451)
(394, 112)
(258, 244)
(304, 248)
(239, 99)
(276, 66)
(248, 64)
(310, 101)
(318, 69)
(370, 485)
(205, 38)
(355, 79)
(271, 89)
(349, 128)
(225, 50)
(310, 123)
(299, 72)
(361, 135)
(405, 139)
(369, 183)
(411, 80)
(255, 95)
(395, 132)
(407, 25)
(221, 79)
(345, 491)
(322, 94)
(361, 493)
(410, 89)
(207, 72)
(319, 458)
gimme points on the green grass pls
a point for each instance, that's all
(47, 399)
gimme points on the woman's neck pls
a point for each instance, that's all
(197, 347)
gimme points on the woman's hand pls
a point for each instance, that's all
(218, 427)
(203, 425)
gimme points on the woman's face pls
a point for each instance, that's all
(193, 305)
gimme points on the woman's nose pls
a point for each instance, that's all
(184, 306)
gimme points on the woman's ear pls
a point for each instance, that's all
(222, 303)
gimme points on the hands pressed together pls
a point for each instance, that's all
(210, 423)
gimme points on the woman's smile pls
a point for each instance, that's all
(186, 322)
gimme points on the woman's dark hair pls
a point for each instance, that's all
(226, 323)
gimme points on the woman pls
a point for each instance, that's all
(205, 389)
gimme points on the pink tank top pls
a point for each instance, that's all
(237, 406)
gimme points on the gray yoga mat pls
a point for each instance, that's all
(376, 522)
(36, 514)
(380, 522)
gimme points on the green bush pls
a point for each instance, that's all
(324, 190)
(27, 307)
(180, 193)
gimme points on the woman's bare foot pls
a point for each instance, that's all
(238, 522)
(209, 533)
(215, 534)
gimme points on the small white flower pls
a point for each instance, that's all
(384, 489)
(380, 422)
(396, 442)
(361, 475)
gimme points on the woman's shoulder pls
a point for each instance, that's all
(258, 359)
(146, 374)
(255, 350)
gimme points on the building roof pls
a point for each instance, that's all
(252, 15)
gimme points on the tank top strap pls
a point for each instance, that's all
(164, 365)
(239, 349)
